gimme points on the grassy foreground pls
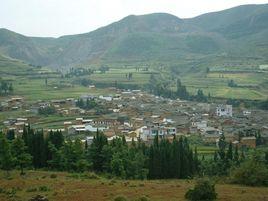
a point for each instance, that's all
(65, 186)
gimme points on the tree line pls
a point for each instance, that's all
(162, 88)
(162, 159)
(87, 105)
(6, 88)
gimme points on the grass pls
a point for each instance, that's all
(35, 89)
(68, 187)
(208, 150)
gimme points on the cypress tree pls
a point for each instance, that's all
(175, 159)
(196, 161)
(19, 151)
(222, 145)
(266, 157)
(10, 135)
(236, 155)
(215, 156)
(96, 151)
(230, 152)
(6, 159)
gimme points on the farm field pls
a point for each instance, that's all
(252, 86)
(29, 81)
(35, 89)
(71, 187)
(119, 75)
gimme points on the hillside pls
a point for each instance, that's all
(13, 67)
(210, 38)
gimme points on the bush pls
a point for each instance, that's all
(251, 173)
(38, 198)
(143, 198)
(120, 198)
(44, 188)
(53, 176)
(31, 189)
(91, 175)
(204, 190)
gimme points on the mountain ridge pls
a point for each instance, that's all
(160, 37)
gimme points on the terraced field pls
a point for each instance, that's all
(252, 86)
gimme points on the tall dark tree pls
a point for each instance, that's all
(236, 155)
(230, 152)
(222, 145)
(22, 157)
(96, 151)
(6, 158)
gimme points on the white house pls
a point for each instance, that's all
(152, 131)
(107, 98)
(89, 139)
(211, 131)
(224, 111)
(201, 125)
(75, 129)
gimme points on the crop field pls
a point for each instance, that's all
(250, 85)
(83, 187)
(119, 75)
(29, 81)
(35, 89)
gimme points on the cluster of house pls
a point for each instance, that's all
(139, 115)
(10, 104)
(15, 124)
(150, 115)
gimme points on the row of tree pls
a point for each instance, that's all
(162, 88)
(161, 160)
(47, 110)
(224, 159)
(172, 160)
(77, 72)
(87, 105)
(6, 87)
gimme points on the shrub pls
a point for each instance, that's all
(38, 198)
(44, 188)
(204, 190)
(91, 175)
(120, 198)
(53, 176)
(31, 189)
(143, 198)
(251, 173)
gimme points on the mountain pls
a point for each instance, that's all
(237, 32)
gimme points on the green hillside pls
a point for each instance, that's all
(237, 32)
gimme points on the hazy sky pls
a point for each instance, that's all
(63, 17)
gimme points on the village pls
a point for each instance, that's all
(138, 115)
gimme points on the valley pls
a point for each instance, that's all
(151, 107)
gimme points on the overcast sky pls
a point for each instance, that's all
(63, 17)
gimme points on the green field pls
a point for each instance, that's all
(119, 75)
(252, 86)
(29, 81)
